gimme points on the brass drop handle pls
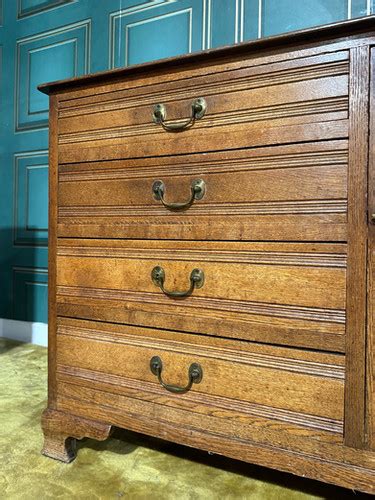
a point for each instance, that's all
(198, 109)
(372, 218)
(196, 281)
(197, 188)
(195, 375)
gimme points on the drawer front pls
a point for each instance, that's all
(267, 394)
(291, 294)
(290, 193)
(287, 101)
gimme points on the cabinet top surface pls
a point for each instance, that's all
(317, 35)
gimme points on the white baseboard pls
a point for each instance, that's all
(24, 331)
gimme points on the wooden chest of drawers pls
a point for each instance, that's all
(212, 254)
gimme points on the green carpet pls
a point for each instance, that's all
(125, 466)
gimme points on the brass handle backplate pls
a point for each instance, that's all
(195, 375)
(197, 188)
(198, 109)
(196, 281)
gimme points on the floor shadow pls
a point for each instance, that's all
(7, 345)
(129, 443)
(133, 440)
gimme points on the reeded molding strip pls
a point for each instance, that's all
(205, 304)
(220, 166)
(243, 257)
(73, 375)
(214, 209)
(286, 110)
(231, 355)
(249, 82)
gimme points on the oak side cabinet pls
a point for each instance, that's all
(211, 254)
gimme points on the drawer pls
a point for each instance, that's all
(281, 293)
(292, 193)
(288, 101)
(261, 393)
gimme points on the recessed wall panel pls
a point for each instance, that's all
(144, 42)
(279, 16)
(31, 199)
(223, 22)
(31, 7)
(30, 292)
(53, 55)
(155, 30)
(251, 19)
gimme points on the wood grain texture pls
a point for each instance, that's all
(231, 374)
(311, 388)
(261, 193)
(231, 77)
(357, 250)
(337, 472)
(129, 397)
(254, 291)
(230, 103)
(370, 359)
(262, 133)
(245, 109)
(61, 430)
(283, 325)
(52, 241)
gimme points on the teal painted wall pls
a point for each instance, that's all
(43, 40)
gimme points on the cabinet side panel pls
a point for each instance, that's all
(354, 431)
(52, 235)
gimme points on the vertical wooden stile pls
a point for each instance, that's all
(354, 419)
(52, 242)
(370, 373)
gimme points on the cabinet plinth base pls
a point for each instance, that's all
(61, 430)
